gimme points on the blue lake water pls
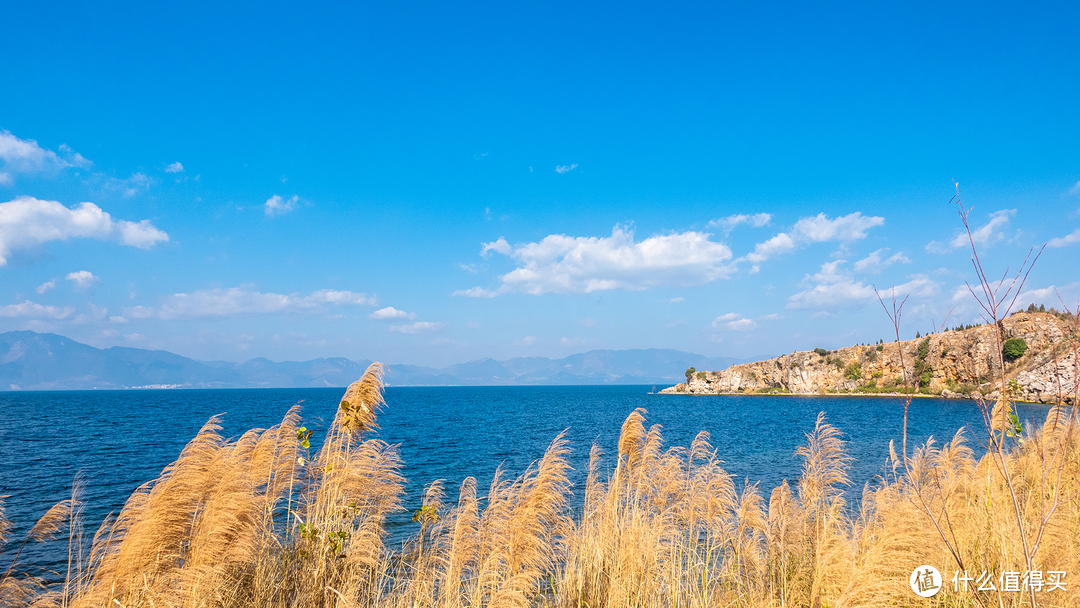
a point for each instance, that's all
(120, 439)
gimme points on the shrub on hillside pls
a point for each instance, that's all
(853, 371)
(821, 351)
(1014, 348)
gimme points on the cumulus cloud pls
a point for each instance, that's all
(245, 301)
(565, 264)
(835, 287)
(727, 224)
(340, 298)
(986, 233)
(733, 322)
(275, 205)
(817, 229)
(27, 157)
(175, 168)
(1062, 241)
(526, 341)
(27, 221)
(83, 280)
(499, 246)
(390, 312)
(565, 168)
(851, 227)
(46, 286)
(35, 311)
(983, 235)
(781, 243)
(874, 264)
(1066, 296)
(420, 327)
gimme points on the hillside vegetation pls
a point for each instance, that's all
(959, 362)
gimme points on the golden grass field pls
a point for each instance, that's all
(254, 523)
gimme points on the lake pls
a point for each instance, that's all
(120, 439)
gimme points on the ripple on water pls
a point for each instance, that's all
(120, 439)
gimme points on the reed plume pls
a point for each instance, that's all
(260, 522)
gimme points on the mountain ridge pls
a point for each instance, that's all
(36, 361)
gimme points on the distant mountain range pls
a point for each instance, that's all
(33, 361)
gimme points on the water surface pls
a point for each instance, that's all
(121, 439)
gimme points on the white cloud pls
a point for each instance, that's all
(27, 221)
(835, 287)
(565, 168)
(130, 186)
(727, 224)
(589, 322)
(734, 322)
(781, 243)
(391, 313)
(83, 279)
(46, 286)
(142, 234)
(564, 264)
(984, 235)
(37, 311)
(987, 233)
(275, 205)
(1062, 241)
(499, 246)
(1067, 296)
(874, 264)
(817, 229)
(1075, 189)
(676, 300)
(340, 298)
(175, 168)
(26, 156)
(420, 327)
(241, 301)
(526, 341)
(851, 227)
(476, 292)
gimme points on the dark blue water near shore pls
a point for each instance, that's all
(120, 439)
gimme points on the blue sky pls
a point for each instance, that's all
(431, 183)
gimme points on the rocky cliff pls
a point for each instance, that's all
(952, 363)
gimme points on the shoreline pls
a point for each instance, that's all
(789, 394)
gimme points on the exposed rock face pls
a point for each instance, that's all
(955, 362)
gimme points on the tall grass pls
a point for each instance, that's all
(260, 521)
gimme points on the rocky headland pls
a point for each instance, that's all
(956, 363)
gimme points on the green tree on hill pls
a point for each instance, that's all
(1014, 348)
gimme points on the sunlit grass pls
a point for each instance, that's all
(261, 522)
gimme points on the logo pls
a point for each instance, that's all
(925, 581)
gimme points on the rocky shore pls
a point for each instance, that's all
(957, 363)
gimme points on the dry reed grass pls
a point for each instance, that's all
(259, 522)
